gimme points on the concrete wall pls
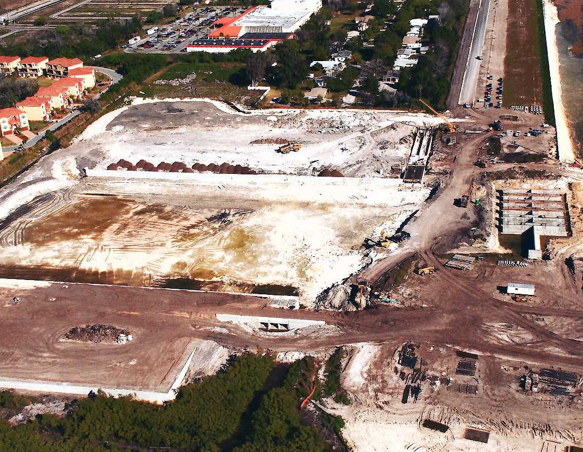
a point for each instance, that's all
(260, 322)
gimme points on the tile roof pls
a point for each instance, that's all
(67, 62)
(51, 91)
(81, 71)
(32, 102)
(31, 60)
(7, 112)
(67, 82)
(8, 59)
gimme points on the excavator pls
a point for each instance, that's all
(383, 242)
(435, 112)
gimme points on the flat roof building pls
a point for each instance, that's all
(520, 289)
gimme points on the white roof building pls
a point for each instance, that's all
(520, 289)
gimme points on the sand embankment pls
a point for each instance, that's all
(564, 142)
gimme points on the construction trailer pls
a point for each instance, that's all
(520, 289)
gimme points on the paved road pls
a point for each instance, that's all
(470, 80)
(30, 9)
(115, 78)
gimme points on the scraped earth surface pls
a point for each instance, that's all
(295, 232)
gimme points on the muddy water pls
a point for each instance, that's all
(572, 85)
(137, 279)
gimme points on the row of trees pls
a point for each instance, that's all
(247, 407)
(75, 41)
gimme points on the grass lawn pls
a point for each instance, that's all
(210, 72)
(338, 21)
(37, 126)
(44, 81)
(6, 142)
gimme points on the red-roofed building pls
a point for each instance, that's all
(228, 31)
(74, 86)
(12, 119)
(87, 74)
(8, 64)
(60, 67)
(32, 66)
(36, 108)
(58, 96)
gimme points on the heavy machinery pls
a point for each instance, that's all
(463, 202)
(289, 147)
(435, 112)
(383, 242)
(425, 270)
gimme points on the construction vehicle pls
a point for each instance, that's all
(435, 112)
(425, 270)
(464, 201)
(289, 147)
(383, 242)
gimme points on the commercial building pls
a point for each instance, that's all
(12, 119)
(9, 64)
(259, 27)
(58, 96)
(60, 67)
(36, 108)
(86, 74)
(32, 66)
(520, 289)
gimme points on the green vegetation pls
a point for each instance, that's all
(332, 387)
(548, 105)
(251, 406)
(13, 89)
(210, 72)
(75, 41)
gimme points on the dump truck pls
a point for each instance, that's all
(289, 147)
(425, 270)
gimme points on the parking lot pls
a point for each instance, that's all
(174, 38)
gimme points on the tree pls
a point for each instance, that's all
(41, 21)
(257, 64)
(91, 106)
(170, 10)
(291, 67)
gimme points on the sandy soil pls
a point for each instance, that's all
(565, 143)
(304, 232)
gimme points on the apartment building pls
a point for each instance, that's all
(12, 119)
(58, 96)
(74, 86)
(36, 108)
(60, 67)
(32, 66)
(86, 74)
(9, 64)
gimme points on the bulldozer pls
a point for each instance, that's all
(425, 270)
(289, 147)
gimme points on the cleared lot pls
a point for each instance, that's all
(522, 67)
(285, 228)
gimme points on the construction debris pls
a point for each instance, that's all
(460, 262)
(99, 334)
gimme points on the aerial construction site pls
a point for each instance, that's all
(172, 234)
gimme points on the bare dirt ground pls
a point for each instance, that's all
(523, 81)
(379, 421)
(296, 230)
